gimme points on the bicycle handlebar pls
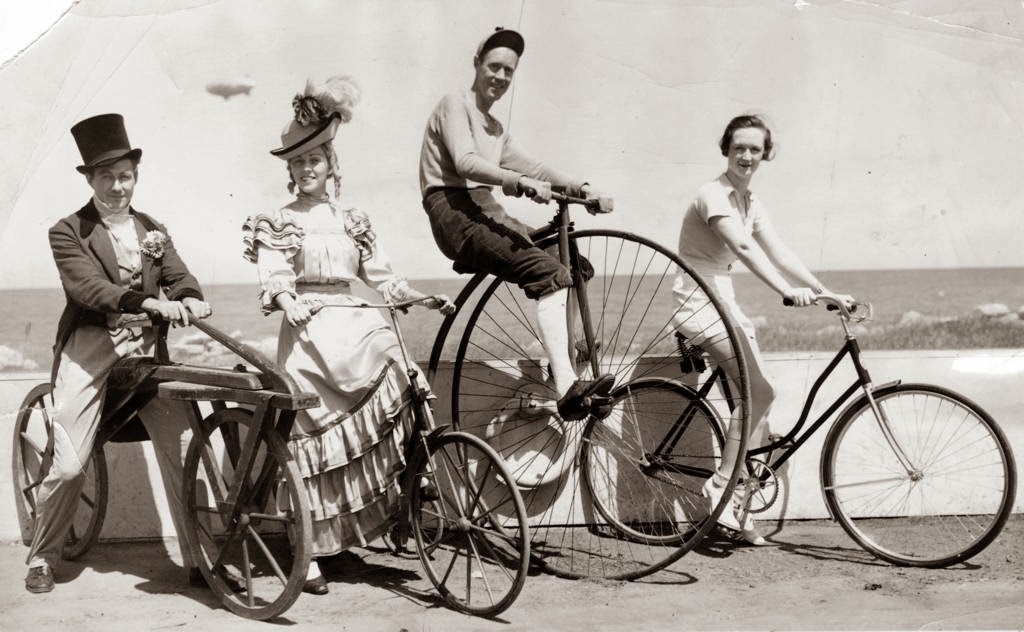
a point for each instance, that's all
(594, 206)
(834, 303)
(142, 319)
(317, 305)
(133, 320)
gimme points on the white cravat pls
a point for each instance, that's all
(121, 225)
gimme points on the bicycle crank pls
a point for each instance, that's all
(761, 489)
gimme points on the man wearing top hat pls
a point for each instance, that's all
(112, 259)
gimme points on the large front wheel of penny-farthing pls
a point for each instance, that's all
(32, 430)
(247, 525)
(624, 322)
(469, 524)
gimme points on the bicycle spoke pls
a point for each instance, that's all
(952, 500)
(630, 310)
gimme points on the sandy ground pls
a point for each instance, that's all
(814, 578)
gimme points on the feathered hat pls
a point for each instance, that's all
(319, 110)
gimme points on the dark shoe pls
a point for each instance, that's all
(39, 579)
(602, 407)
(197, 580)
(429, 493)
(576, 403)
(316, 586)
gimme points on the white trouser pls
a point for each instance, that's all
(78, 396)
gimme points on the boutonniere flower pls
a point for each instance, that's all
(153, 244)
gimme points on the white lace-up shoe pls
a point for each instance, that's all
(714, 495)
(748, 529)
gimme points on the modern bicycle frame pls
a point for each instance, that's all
(794, 438)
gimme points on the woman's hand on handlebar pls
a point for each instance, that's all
(832, 300)
(441, 303)
(798, 297)
(848, 301)
(537, 190)
(296, 312)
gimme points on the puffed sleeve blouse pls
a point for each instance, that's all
(312, 244)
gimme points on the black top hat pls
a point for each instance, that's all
(102, 140)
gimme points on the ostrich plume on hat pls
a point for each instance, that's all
(318, 111)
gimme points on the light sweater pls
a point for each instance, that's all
(464, 147)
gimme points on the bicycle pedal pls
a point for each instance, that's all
(532, 406)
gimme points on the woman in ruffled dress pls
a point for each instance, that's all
(349, 449)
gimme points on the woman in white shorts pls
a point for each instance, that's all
(726, 223)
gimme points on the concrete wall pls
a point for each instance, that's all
(993, 378)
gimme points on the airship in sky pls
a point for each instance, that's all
(228, 89)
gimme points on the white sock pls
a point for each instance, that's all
(554, 335)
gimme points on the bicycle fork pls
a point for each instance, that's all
(881, 418)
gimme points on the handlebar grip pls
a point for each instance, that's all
(830, 307)
(134, 320)
(529, 192)
(600, 205)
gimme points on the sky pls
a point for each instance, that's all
(898, 123)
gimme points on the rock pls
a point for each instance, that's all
(191, 348)
(915, 318)
(11, 359)
(198, 338)
(911, 318)
(992, 310)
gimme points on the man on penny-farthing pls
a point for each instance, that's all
(112, 260)
(465, 153)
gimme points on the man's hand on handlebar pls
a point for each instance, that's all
(200, 309)
(176, 312)
(537, 190)
(597, 203)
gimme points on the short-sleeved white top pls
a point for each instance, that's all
(700, 246)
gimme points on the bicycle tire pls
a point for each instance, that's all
(260, 541)
(645, 464)
(952, 503)
(31, 431)
(472, 539)
(500, 359)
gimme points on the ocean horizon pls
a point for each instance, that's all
(29, 315)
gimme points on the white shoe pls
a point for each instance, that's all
(714, 495)
(747, 527)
